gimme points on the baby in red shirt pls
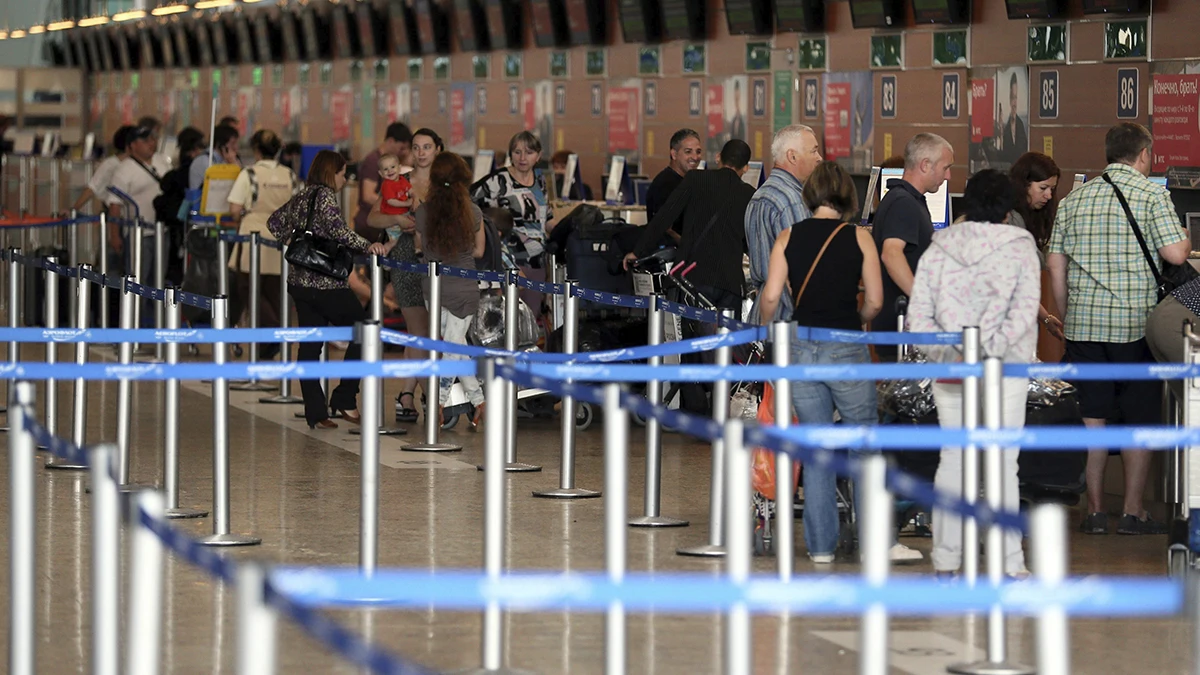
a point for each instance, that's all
(394, 187)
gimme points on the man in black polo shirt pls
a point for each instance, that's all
(903, 228)
(686, 153)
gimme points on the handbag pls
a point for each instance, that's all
(1171, 276)
(316, 253)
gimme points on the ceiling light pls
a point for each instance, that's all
(37, 30)
(169, 9)
(131, 15)
(93, 21)
(17, 34)
(61, 25)
(212, 4)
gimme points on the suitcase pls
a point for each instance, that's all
(1052, 475)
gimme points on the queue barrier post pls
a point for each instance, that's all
(512, 309)
(652, 495)
(996, 662)
(106, 561)
(170, 477)
(14, 307)
(785, 518)
(433, 420)
(877, 531)
(136, 240)
(970, 460)
(160, 281)
(738, 638)
(367, 334)
(566, 468)
(23, 185)
(1048, 532)
(221, 535)
(124, 385)
(143, 645)
(616, 481)
(79, 392)
(72, 255)
(715, 547)
(103, 268)
(376, 315)
(285, 396)
(257, 629)
(50, 310)
(223, 262)
(22, 559)
(253, 308)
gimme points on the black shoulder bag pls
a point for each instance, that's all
(319, 254)
(1171, 276)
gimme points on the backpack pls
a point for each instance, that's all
(493, 250)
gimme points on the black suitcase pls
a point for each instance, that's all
(1053, 475)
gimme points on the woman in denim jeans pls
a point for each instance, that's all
(820, 262)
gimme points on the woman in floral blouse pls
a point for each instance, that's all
(322, 300)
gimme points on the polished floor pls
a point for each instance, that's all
(298, 490)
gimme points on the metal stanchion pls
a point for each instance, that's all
(377, 316)
(432, 388)
(135, 240)
(715, 547)
(23, 185)
(220, 396)
(285, 396)
(223, 263)
(14, 306)
(124, 386)
(738, 659)
(255, 291)
(106, 562)
(79, 395)
(50, 309)
(566, 471)
(785, 515)
(652, 495)
(171, 417)
(616, 481)
(160, 281)
(494, 516)
(55, 188)
(72, 254)
(512, 305)
(144, 639)
(103, 267)
(970, 458)
(368, 523)
(996, 662)
(22, 612)
(876, 522)
(257, 633)
(1048, 525)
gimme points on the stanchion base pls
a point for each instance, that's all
(383, 431)
(252, 386)
(705, 551)
(516, 467)
(181, 514)
(989, 668)
(501, 671)
(567, 493)
(657, 521)
(229, 540)
(61, 464)
(133, 488)
(283, 400)
(431, 447)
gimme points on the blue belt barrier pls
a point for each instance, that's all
(194, 300)
(403, 266)
(886, 437)
(92, 276)
(1103, 371)
(633, 302)
(541, 286)
(478, 275)
(304, 370)
(80, 220)
(180, 335)
(706, 373)
(147, 292)
(233, 237)
(701, 592)
(862, 337)
(271, 243)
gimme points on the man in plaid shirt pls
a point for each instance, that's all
(1106, 289)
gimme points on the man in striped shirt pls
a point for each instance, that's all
(777, 205)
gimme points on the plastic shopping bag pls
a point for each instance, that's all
(762, 471)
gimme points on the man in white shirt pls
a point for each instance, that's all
(136, 177)
(97, 187)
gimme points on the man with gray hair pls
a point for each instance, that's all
(778, 205)
(903, 228)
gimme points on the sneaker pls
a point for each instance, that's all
(902, 553)
(1133, 525)
(946, 576)
(821, 558)
(1094, 523)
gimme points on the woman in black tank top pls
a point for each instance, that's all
(820, 262)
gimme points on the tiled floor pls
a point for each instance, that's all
(298, 490)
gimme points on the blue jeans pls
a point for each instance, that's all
(814, 403)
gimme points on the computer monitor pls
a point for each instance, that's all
(938, 202)
(754, 174)
(641, 189)
(1080, 179)
(485, 160)
(570, 177)
(614, 190)
(1159, 180)
(702, 165)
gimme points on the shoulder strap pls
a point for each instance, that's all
(828, 240)
(152, 172)
(308, 217)
(1137, 231)
(253, 185)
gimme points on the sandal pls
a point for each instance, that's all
(477, 418)
(406, 413)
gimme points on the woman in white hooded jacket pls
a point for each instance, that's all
(980, 272)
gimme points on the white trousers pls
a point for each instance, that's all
(947, 527)
(454, 329)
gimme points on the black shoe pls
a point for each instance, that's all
(1133, 525)
(268, 352)
(1094, 523)
(405, 413)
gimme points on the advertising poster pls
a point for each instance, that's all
(850, 119)
(245, 110)
(999, 117)
(341, 104)
(398, 104)
(289, 109)
(537, 106)
(462, 119)
(624, 120)
(727, 104)
(1175, 123)
(781, 108)
(126, 107)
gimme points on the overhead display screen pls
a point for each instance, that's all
(800, 16)
(640, 20)
(876, 13)
(748, 17)
(683, 19)
(1115, 6)
(941, 11)
(504, 24)
(398, 24)
(544, 34)
(243, 36)
(1035, 9)
(585, 22)
(204, 48)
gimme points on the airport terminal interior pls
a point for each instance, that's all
(603, 85)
